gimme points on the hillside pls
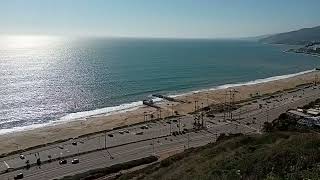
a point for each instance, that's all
(299, 37)
(276, 155)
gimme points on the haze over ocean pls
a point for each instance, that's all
(43, 79)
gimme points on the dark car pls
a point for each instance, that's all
(175, 133)
(110, 135)
(74, 143)
(75, 161)
(139, 133)
(64, 161)
(144, 127)
(19, 176)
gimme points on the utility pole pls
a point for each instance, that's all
(153, 146)
(229, 107)
(240, 108)
(231, 94)
(188, 141)
(224, 106)
(170, 127)
(179, 124)
(195, 105)
(202, 124)
(233, 103)
(171, 109)
(105, 140)
(267, 113)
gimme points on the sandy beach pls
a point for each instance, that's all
(25, 139)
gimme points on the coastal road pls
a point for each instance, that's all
(125, 145)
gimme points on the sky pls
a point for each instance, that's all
(157, 18)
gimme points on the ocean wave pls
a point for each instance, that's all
(257, 81)
(78, 116)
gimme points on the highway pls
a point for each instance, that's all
(155, 138)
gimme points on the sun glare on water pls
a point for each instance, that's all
(27, 41)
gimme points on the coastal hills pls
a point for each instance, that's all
(276, 155)
(299, 37)
(288, 149)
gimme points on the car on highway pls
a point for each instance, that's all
(64, 161)
(75, 161)
(19, 176)
(22, 156)
(121, 132)
(126, 131)
(175, 133)
(139, 133)
(144, 127)
(74, 143)
(110, 135)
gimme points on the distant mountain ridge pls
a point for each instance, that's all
(300, 37)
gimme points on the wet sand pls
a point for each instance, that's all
(25, 139)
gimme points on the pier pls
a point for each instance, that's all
(150, 103)
(166, 98)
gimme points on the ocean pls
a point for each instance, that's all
(46, 79)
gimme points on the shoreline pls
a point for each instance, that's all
(88, 125)
(303, 53)
(132, 106)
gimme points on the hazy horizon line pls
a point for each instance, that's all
(125, 37)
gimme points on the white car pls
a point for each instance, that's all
(22, 156)
(75, 161)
